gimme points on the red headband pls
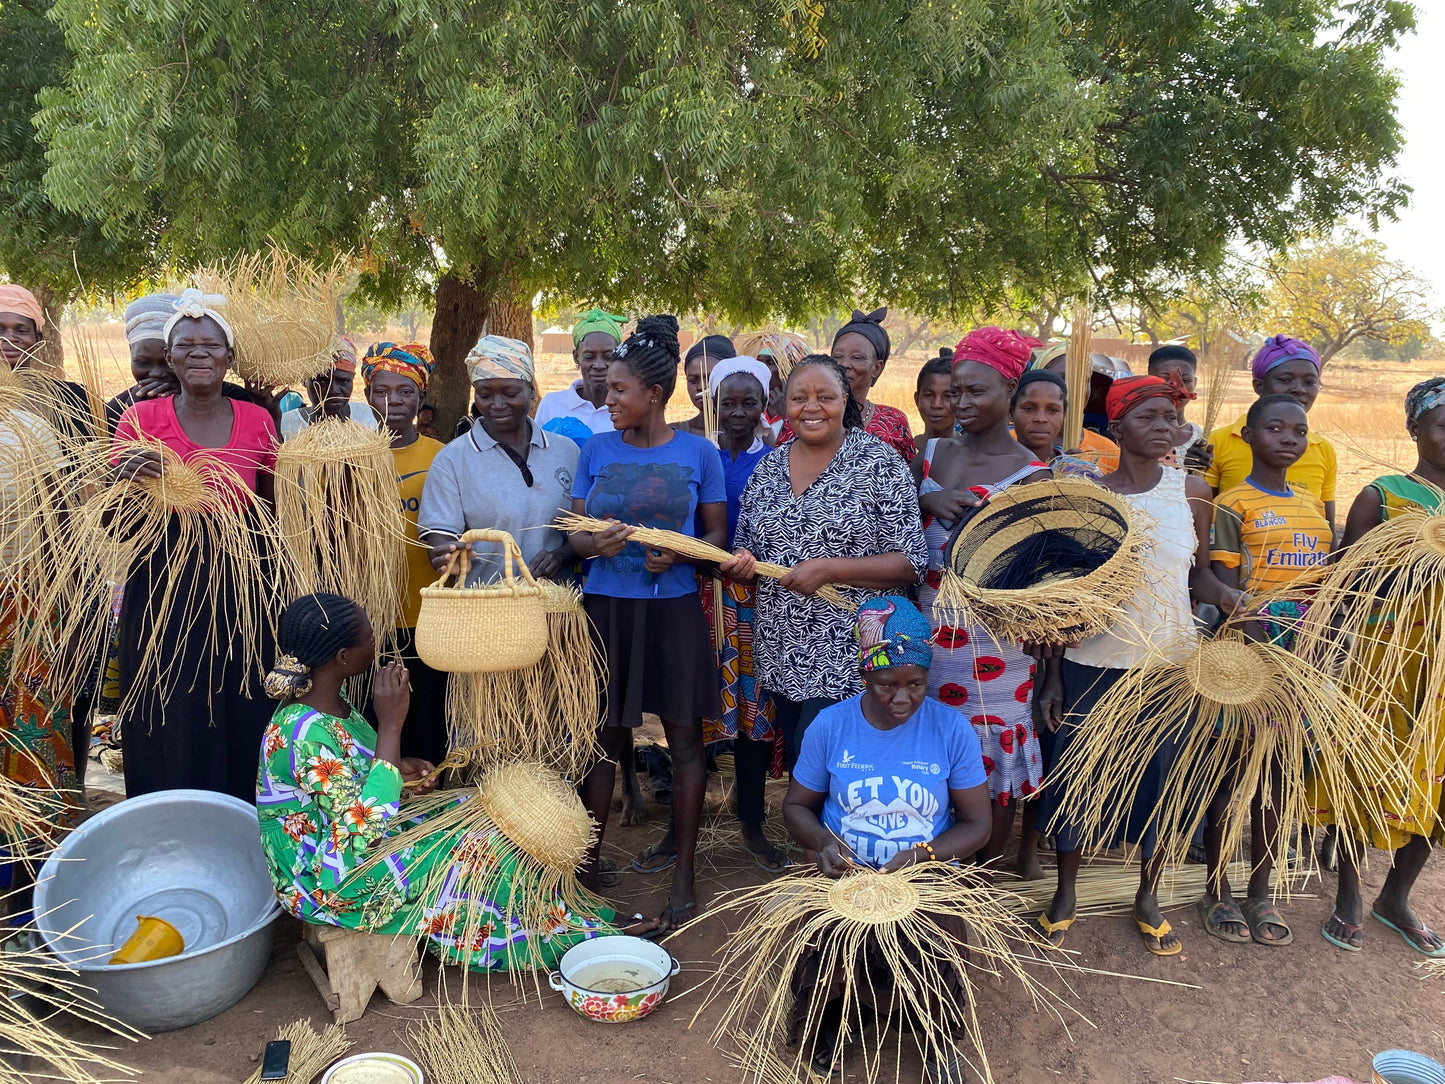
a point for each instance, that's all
(1005, 352)
(1127, 392)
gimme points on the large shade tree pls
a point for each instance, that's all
(760, 157)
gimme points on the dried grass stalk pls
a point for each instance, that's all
(1108, 886)
(31, 1048)
(1078, 372)
(36, 499)
(339, 514)
(893, 914)
(283, 311)
(1236, 714)
(463, 1044)
(1059, 608)
(515, 840)
(197, 510)
(311, 1051)
(693, 548)
(1219, 371)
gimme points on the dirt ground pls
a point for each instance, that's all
(1249, 1013)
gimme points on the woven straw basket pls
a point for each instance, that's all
(474, 630)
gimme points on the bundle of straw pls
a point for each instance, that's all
(514, 842)
(1239, 716)
(693, 548)
(1219, 370)
(1108, 886)
(199, 510)
(1078, 372)
(893, 916)
(36, 500)
(339, 514)
(463, 1045)
(283, 311)
(548, 713)
(311, 1052)
(31, 1047)
(1049, 562)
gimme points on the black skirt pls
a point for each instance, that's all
(660, 658)
(199, 724)
(1084, 687)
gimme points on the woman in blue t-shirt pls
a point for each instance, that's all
(885, 779)
(643, 602)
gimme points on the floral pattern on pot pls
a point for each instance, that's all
(614, 1008)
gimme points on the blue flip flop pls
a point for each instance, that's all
(1406, 934)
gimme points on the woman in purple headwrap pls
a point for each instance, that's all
(990, 682)
(1283, 366)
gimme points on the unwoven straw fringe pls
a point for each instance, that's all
(311, 1051)
(521, 833)
(339, 513)
(546, 713)
(896, 914)
(463, 1044)
(283, 311)
(693, 548)
(1235, 713)
(216, 519)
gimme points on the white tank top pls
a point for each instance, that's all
(1160, 615)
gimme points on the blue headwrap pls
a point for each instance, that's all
(1424, 397)
(891, 632)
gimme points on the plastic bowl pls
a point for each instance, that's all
(645, 969)
(337, 1073)
(1407, 1067)
(190, 857)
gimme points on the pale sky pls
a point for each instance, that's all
(1418, 238)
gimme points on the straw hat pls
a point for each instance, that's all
(539, 813)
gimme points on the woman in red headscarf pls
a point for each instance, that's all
(1179, 508)
(990, 682)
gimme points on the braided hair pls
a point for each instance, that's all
(852, 411)
(313, 630)
(651, 353)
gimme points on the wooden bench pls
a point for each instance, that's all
(347, 966)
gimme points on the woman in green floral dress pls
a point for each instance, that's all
(330, 787)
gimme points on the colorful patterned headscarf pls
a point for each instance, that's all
(145, 317)
(496, 357)
(1424, 397)
(891, 632)
(411, 360)
(21, 302)
(1006, 352)
(1280, 349)
(1127, 392)
(597, 320)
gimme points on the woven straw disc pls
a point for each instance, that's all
(1433, 534)
(1230, 672)
(558, 598)
(1006, 535)
(181, 487)
(538, 812)
(873, 898)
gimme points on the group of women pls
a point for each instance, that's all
(787, 462)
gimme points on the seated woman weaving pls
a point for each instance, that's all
(885, 779)
(329, 795)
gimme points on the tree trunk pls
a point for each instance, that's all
(466, 309)
(52, 347)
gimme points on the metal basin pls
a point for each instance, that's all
(191, 857)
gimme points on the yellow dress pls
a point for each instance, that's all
(1419, 813)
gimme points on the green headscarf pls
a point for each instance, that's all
(597, 320)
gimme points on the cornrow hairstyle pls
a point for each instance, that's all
(1263, 403)
(939, 366)
(852, 411)
(313, 630)
(651, 353)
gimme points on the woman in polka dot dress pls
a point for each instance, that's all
(989, 682)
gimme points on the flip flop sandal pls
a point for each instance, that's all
(774, 854)
(1260, 913)
(670, 921)
(653, 852)
(1046, 931)
(1217, 917)
(1154, 937)
(1408, 935)
(1350, 930)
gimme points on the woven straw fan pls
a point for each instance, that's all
(694, 548)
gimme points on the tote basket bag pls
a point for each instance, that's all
(497, 626)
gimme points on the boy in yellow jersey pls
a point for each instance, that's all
(1265, 534)
(396, 376)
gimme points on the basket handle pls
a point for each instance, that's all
(458, 565)
(511, 553)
